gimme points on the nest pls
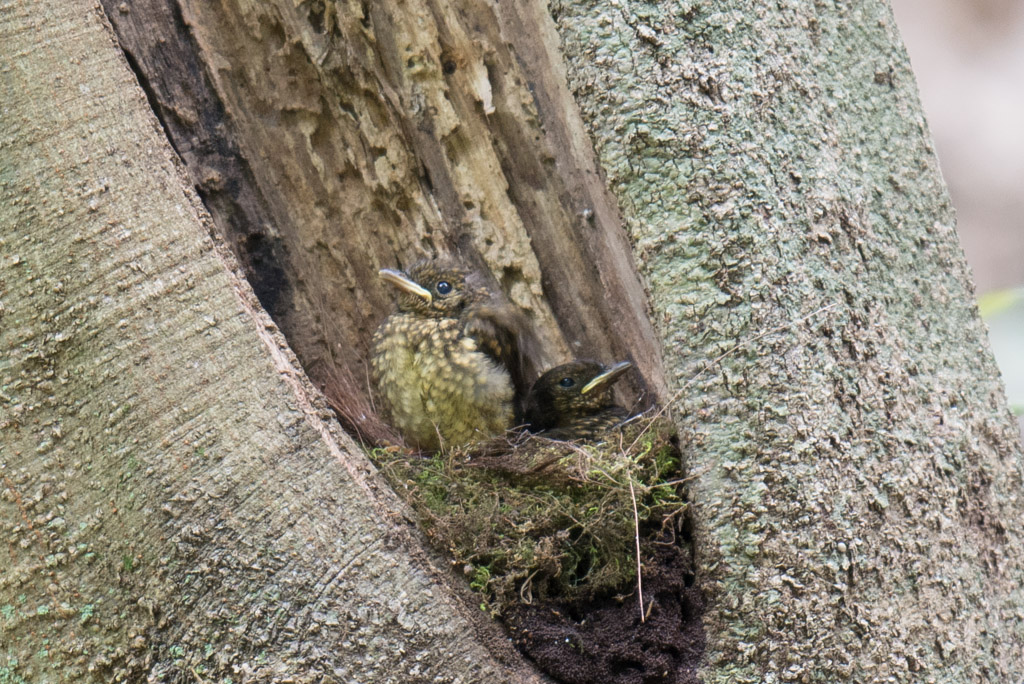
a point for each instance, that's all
(531, 519)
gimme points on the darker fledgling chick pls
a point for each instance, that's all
(444, 361)
(574, 401)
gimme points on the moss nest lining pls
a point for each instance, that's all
(534, 519)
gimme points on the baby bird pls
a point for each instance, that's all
(442, 361)
(574, 401)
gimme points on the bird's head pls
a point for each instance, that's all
(573, 389)
(432, 288)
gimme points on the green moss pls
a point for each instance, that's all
(543, 519)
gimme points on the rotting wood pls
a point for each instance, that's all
(366, 137)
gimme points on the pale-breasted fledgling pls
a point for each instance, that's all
(444, 362)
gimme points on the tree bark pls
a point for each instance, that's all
(177, 504)
(742, 198)
(860, 473)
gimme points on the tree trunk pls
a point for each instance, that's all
(177, 503)
(860, 473)
(756, 181)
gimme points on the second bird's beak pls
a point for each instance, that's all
(607, 377)
(402, 282)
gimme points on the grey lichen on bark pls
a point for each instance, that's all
(859, 474)
(175, 501)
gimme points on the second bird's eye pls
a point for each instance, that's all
(566, 382)
(444, 287)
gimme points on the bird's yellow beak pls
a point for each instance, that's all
(402, 282)
(607, 377)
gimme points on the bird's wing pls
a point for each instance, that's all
(498, 332)
(589, 427)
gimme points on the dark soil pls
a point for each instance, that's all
(603, 641)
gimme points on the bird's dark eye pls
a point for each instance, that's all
(566, 382)
(444, 287)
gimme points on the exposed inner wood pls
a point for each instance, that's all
(331, 140)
